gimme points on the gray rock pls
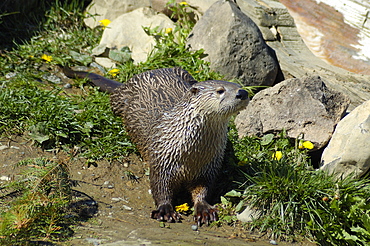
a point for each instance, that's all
(303, 107)
(108, 184)
(348, 151)
(52, 78)
(111, 9)
(10, 75)
(296, 60)
(235, 46)
(127, 30)
(248, 215)
(67, 86)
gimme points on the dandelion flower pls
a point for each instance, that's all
(114, 72)
(242, 163)
(306, 145)
(183, 3)
(104, 22)
(182, 208)
(46, 58)
(277, 155)
(168, 30)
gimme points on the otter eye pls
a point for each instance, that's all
(220, 90)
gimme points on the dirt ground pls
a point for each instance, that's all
(116, 196)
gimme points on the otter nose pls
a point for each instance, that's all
(242, 94)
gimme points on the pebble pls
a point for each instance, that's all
(126, 207)
(10, 75)
(108, 184)
(2, 147)
(67, 86)
(5, 178)
(93, 241)
(52, 78)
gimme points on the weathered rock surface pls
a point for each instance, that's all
(348, 151)
(342, 38)
(127, 30)
(235, 46)
(295, 59)
(111, 9)
(303, 107)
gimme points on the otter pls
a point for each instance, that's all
(179, 126)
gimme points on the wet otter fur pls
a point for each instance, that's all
(180, 127)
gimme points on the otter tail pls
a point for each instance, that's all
(104, 84)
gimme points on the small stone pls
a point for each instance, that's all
(67, 86)
(127, 207)
(108, 184)
(105, 62)
(5, 178)
(2, 147)
(93, 241)
(273, 242)
(52, 78)
(194, 227)
(10, 75)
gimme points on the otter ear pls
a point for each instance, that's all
(194, 90)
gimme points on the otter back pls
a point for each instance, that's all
(143, 99)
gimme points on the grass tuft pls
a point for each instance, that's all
(40, 209)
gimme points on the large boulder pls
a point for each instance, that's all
(302, 107)
(127, 30)
(234, 45)
(348, 151)
(295, 59)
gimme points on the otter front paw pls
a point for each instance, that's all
(165, 212)
(204, 214)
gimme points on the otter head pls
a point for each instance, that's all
(216, 97)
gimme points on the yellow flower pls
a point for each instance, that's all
(168, 30)
(183, 3)
(277, 155)
(306, 145)
(242, 163)
(46, 58)
(114, 72)
(104, 22)
(182, 208)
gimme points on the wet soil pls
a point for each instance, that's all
(118, 202)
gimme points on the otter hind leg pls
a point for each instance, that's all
(203, 212)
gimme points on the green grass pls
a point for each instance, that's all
(40, 209)
(294, 201)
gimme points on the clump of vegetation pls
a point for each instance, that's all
(40, 209)
(292, 201)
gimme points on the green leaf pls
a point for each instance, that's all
(267, 139)
(121, 56)
(233, 193)
(40, 138)
(84, 59)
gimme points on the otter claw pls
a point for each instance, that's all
(205, 216)
(165, 212)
